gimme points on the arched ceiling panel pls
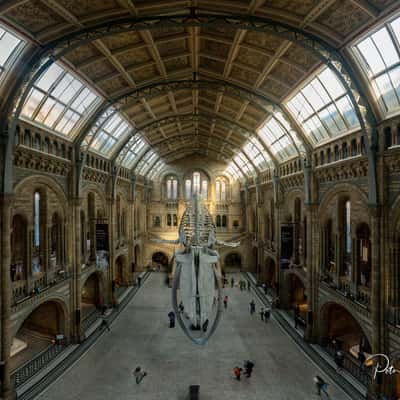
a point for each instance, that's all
(255, 69)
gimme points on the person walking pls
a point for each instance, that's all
(248, 286)
(262, 313)
(237, 371)
(267, 314)
(252, 307)
(320, 385)
(226, 302)
(248, 368)
(296, 321)
(171, 316)
(139, 280)
(139, 374)
(232, 282)
(104, 324)
(339, 360)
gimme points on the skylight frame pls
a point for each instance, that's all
(12, 53)
(388, 71)
(46, 98)
(308, 110)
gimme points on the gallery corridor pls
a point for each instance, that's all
(140, 336)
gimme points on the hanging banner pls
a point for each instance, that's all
(286, 245)
(102, 254)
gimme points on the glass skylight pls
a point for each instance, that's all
(110, 134)
(134, 147)
(379, 55)
(244, 164)
(274, 135)
(146, 163)
(156, 169)
(59, 101)
(255, 151)
(234, 171)
(9, 46)
(323, 108)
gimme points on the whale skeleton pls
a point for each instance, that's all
(197, 280)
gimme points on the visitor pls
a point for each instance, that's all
(104, 324)
(115, 303)
(267, 314)
(139, 280)
(296, 321)
(226, 302)
(171, 316)
(252, 307)
(339, 360)
(320, 385)
(248, 366)
(262, 313)
(237, 371)
(248, 286)
(139, 374)
(232, 282)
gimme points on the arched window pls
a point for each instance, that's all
(175, 220)
(172, 188)
(36, 256)
(218, 222)
(169, 222)
(220, 189)
(224, 221)
(388, 137)
(56, 241)
(344, 150)
(347, 239)
(353, 147)
(217, 189)
(188, 189)
(196, 182)
(204, 189)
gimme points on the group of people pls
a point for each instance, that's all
(248, 369)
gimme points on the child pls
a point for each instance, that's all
(237, 371)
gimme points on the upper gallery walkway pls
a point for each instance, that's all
(141, 336)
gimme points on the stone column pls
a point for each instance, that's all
(377, 314)
(77, 332)
(313, 262)
(7, 389)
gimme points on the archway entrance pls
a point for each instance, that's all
(38, 331)
(90, 295)
(297, 295)
(268, 274)
(159, 261)
(136, 266)
(233, 262)
(339, 329)
(119, 270)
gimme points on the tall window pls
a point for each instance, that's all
(188, 188)
(347, 262)
(37, 218)
(9, 45)
(204, 189)
(220, 189)
(172, 188)
(196, 182)
(379, 55)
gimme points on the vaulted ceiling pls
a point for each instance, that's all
(259, 62)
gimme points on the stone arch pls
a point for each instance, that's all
(269, 272)
(121, 269)
(61, 306)
(95, 189)
(338, 190)
(160, 258)
(92, 293)
(232, 261)
(295, 292)
(355, 328)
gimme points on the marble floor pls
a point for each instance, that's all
(141, 336)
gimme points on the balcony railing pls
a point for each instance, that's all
(28, 370)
